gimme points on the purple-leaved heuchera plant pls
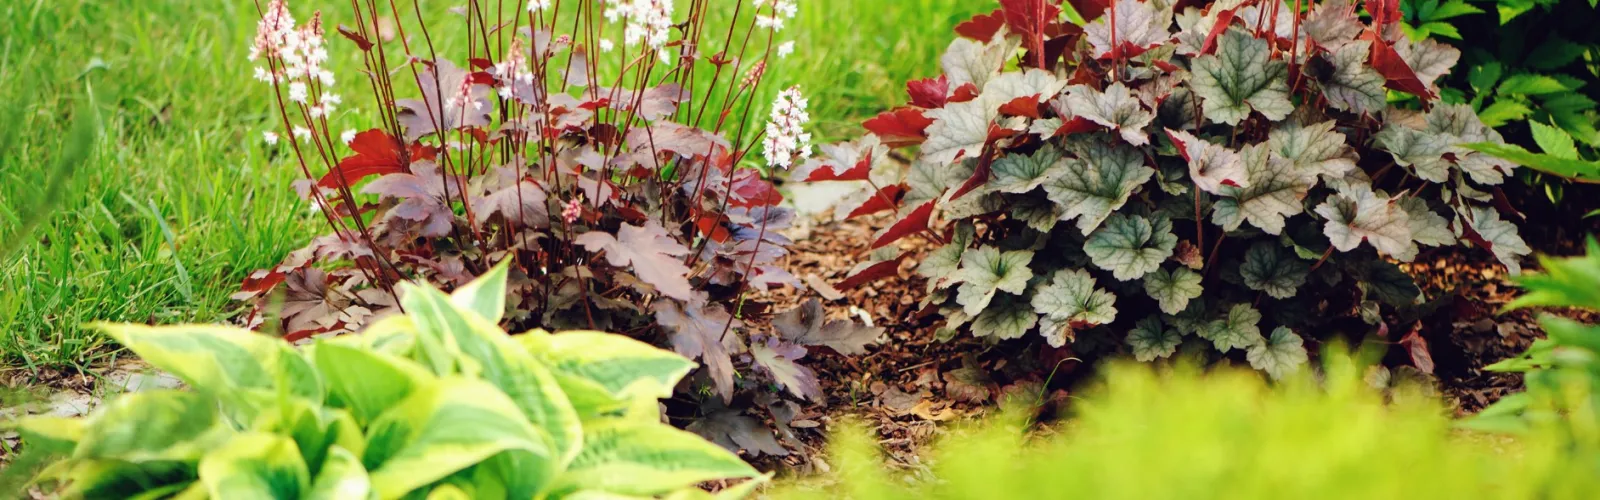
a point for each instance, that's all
(601, 147)
(1230, 175)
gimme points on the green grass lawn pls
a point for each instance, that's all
(179, 199)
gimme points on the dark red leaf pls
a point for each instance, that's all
(873, 272)
(480, 64)
(964, 93)
(1022, 106)
(749, 190)
(1398, 74)
(377, 153)
(825, 172)
(1417, 347)
(1076, 125)
(980, 176)
(710, 226)
(1223, 20)
(916, 221)
(887, 198)
(1504, 205)
(360, 40)
(901, 127)
(983, 26)
(1090, 9)
(929, 92)
(1030, 19)
(1383, 12)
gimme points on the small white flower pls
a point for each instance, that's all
(786, 139)
(302, 133)
(348, 136)
(648, 21)
(538, 5)
(270, 137)
(297, 92)
(785, 48)
(606, 45)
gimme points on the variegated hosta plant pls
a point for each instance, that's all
(439, 401)
(1229, 172)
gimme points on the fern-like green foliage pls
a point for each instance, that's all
(1563, 370)
(1184, 434)
(437, 403)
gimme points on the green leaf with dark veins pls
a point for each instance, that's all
(1270, 268)
(1275, 190)
(1237, 331)
(1098, 182)
(1006, 318)
(1241, 76)
(1151, 341)
(1071, 297)
(1280, 354)
(1173, 290)
(1021, 173)
(987, 270)
(1131, 246)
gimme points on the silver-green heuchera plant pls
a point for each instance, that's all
(1235, 174)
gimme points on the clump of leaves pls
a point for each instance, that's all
(600, 168)
(438, 402)
(1229, 177)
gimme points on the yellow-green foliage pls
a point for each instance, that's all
(1183, 434)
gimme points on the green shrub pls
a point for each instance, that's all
(439, 401)
(1185, 176)
(1563, 370)
(1182, 434)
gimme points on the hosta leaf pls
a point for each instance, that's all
(1271, 268)
(1352, 85)
(1150, 341)
(1116, 109)
(655, 256)
(1140, 25)
(1279, 354)
(1237, 331)
(620, 365)
(1173, 290)
(1240, 77)
(1427, 227)
(940, 266)
(152, 426)
(255, 465)
(1131, 246)
(220, 361)
(1097, 183)
(1315, 148)
(1210, 166)
(959, 130)
(422, 439)
(987, 270)
(639, 458)
(341, 476)
(1274, 192)
(1071, 297)
(1017, 173)
(484, 352)
(779, 358)
(1358, 215)
(1006, 318)
(1498, 236)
